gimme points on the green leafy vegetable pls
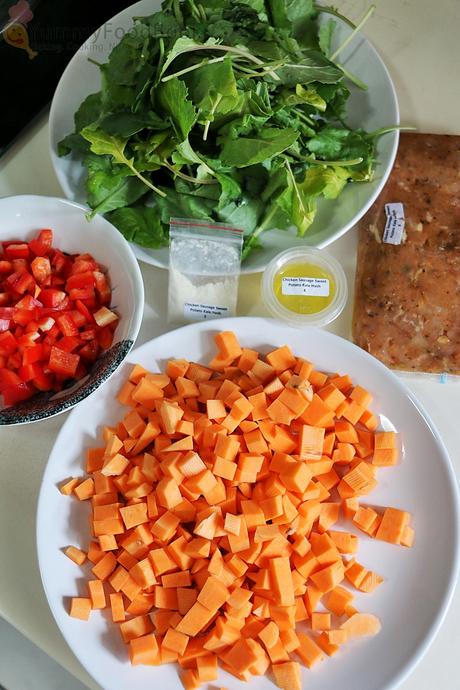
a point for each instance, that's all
(244, 151)
(224, 110)
(140, 224)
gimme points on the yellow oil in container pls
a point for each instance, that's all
(304, 288)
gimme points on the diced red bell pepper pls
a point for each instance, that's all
(53, 334)
(14, 394)
(14, 361)
(31, 326)
(6, 312)
(66, 324)
(28, 302)
(105, 337)
(17, 251)
(8, 343)
(24, 316)
(78, 319)
(42, 380)
(104, 316)
(84, 263)
(103, 288)
(46, 323)
(90, 351)
(62, 264)
(28, 339)
(69, 343)
(32, 354)
(41, 269)
(83, 309)
(29, 371)
(89, 334)
(48, 332)
(80, 280)
(20, 265)
(82, 293)
(62, 362)
(52, 298)
(8, 378)
(41, 245)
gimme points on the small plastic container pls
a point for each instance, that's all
(304, 287)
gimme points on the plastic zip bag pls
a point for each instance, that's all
(204, 269)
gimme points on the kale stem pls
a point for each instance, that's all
(386, 130)
(304, 117)
(187, 178)
(211, 116)
(357, 28)
(178, 13)
(202, 12)
(343, 163)
(354, 80)
(267, 70)
(228, 49)
(336, 13)
(186, 70)
(195, 10)
(144, 179)
(294, 184)
(161, 43)
(251, 240)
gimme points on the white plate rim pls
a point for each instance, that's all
(232, 324)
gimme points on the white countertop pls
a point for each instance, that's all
(418, 40)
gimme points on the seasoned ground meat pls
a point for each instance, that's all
(407, 296)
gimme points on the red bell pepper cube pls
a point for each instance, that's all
(28, 302)
(80, 280)
(84, 263)
(52, 298)
(42, 380)
(105, 337)
(90, 351)
(32, 354)
(103, 288)
(8, 343)
(17, 251)
(62, 264)
(82, 293)
(62, 362)
(23, 316)
(66, 324)
(8, 378)
(41, 245)
(28, 339)
(69, 343)
(78, 318)
(41, 268)
(15, 394)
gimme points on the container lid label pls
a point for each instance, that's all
(309, 287)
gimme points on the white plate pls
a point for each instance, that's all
(372, 109)
(419, 582)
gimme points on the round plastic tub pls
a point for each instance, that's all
(304, 287)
